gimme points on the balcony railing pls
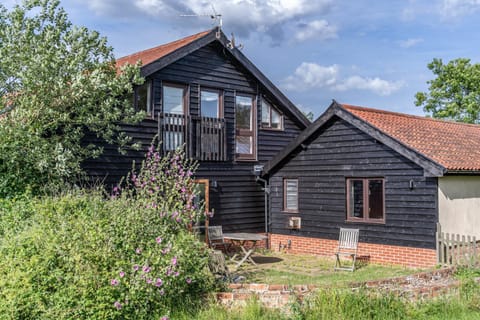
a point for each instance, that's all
(204, 138)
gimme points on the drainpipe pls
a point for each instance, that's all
(266, 190)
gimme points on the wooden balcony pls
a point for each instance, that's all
(205, 138)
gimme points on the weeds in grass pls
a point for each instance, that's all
(253, 310)
(345, 304)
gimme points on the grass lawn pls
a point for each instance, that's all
(289, 269)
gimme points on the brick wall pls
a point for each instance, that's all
(376, 253)
(414, 287)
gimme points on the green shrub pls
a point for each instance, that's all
(82, 256)
(15, 212)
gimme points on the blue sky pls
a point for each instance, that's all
(370, 53)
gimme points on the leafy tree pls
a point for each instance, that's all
(57, 81)
(455, 92)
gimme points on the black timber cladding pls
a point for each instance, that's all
(238, 200)
(339, 150)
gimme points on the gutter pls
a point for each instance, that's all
(462, 172)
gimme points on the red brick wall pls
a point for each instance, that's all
(376, 253)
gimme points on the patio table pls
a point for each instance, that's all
(241, 238)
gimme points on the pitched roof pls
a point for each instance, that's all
(454, 145)
(149, 55)
(438, 146)
(156, 58)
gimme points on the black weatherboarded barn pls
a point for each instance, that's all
(202, 91)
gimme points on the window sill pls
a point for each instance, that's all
(362, 221)
(242, 159)
(272, 129)
(291, 211)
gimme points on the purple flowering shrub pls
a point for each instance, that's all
(166, 188)
(166, 263)
(84, 256)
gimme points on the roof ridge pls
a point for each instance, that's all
(368, 109)
(193, 36)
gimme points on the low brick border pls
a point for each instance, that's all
(280, 296)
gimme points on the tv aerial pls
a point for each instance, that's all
(216, 17)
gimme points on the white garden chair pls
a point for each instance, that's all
(347, 246)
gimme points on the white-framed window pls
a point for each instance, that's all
(290, 195)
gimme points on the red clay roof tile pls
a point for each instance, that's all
(454, 145)
(150, 55)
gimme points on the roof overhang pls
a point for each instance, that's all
(218, 36)
(431, 168)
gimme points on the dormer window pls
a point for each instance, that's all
(143, 97)
(271, 117)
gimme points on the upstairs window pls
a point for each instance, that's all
(290, 195)
(172, 121)
(174, 99)
(245, 142)
(210, 103)
(271, 118)
(143, 97)
(365, 200)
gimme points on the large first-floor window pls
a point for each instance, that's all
(366, 200)
(211, 103)
(245, 144)
(174, 105)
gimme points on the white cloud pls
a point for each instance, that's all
(242, 16)
(408, 43)
(457, 8)
(309, 76)
(318, 29)
(375, 85)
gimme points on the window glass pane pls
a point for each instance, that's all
(375, 199)
(143, 97)
(265, 114)
(173, 100)
(209, 104)
(356, 199)
(244, 144)
(291, 194)
(243, 112)
(276, 119)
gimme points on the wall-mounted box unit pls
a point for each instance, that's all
(295, 222)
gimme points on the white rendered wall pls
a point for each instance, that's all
(459, 204)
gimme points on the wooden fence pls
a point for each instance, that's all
(456, 249)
